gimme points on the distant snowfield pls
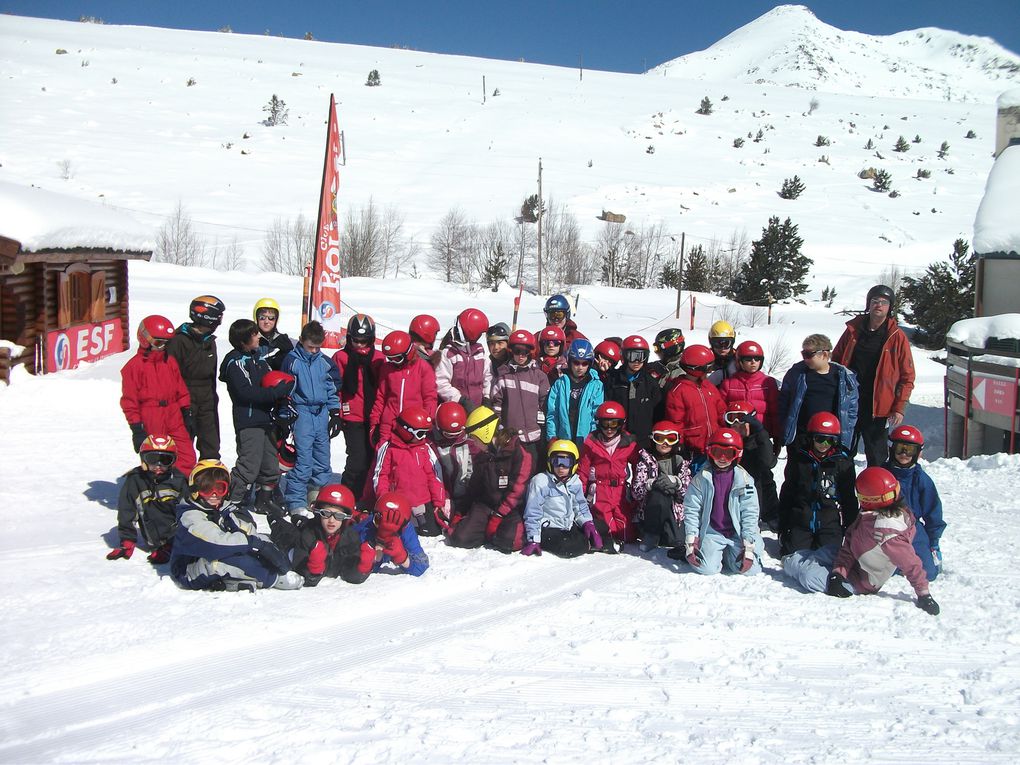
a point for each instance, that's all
(487, 657)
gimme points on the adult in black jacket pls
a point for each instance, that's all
(274, 344)
(635, 389)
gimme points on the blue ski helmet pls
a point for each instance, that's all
(557, 303)
(581, 350)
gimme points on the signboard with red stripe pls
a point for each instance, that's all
(67, 348)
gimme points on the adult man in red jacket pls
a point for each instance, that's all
(877, 350)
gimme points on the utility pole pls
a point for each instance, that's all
(580, 67)
(540, 206)
(483, 88)
(680, 273)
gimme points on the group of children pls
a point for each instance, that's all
(543, 443)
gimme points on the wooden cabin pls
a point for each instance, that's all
(63, 279)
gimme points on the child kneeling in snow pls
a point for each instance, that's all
(661, 477)
(148, 500)
(556, 516)
(876, 544)
(328, 544)
(216, 547)
(721, 511)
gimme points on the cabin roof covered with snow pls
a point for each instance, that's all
(39, 220)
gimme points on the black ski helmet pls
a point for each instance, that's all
(361, 328)
(206, 311)
(880, 290)
(669, 343)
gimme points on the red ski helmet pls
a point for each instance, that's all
(696, 360)
(154, 332)
(522, 337)
(749, 348)
(725, 442)
(610, 350)
(335, 495)
(395, 345)
(877, 488)
(425, 328)
(552, 334)
(737, 410)
(472, 324)
(413, 424)
(451, 418)
(824, 424)
(275, 377)
(907, 434)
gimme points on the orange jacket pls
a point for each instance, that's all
(894, 377)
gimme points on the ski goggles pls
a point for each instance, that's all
(158, 344)
(911, 450)
(635, 354)
(218, 489)
(827, 441)
(702, 369)
(722, 343)
(722, 453)
(749, 359)
(557, 343)
(612, 423)
(581, 362)
(561, 460)
(159, 459)
(521, 350)
(556, 315)
(416, 433)
(397, 358)
(811, 354)
(266, 316)
(339, 515)
(734, 418)
(667, 437)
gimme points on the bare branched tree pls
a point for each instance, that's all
(361, 241)
(288, 246)
(779, 357)
(450, 248)
(177, 241)
(226, 256)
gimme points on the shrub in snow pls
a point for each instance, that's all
(66, 169)
(191, 81)
(869, 145)
(917, 139)
(792, 188)
(776, 268)
(828, 296)
(277, 111)
(373, 79)
(923, 173)
(942, 296)
(706, 106)
(824, 159)
(113, 81)
(61, 51)
(894, 194)
(738, 142)
(650, 149)
(943, 150)
(901, 145)
(882, 180)
(971, 134)
(308, 36)
(812, 106)
(495, 92)
(822, 141)
(759, 136)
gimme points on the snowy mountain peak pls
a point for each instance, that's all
(790, 46)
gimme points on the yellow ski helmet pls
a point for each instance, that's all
(721, 329)
(481, 424)
(562, 446)
(265, 303)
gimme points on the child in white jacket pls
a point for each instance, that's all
(557, 517)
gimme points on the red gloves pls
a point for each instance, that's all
(366, 558)
(747, 558)
(317, 559)
(389, 522)
(125, 551)
(693, 547)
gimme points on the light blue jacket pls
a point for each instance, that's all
(742, 505)
(557, 422)
(794, 388)
(315, 386)
(555, 504)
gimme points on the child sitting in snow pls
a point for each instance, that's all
(328, 544)
(388, 536)
(661, 477)
(455, 454)
(556, 516)
(721, 511)
(216, 547)
(148, 501)
(920, 495)
(876, 544)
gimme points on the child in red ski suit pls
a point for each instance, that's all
(606, 468)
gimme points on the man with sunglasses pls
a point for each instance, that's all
(817, 384)
(148, 501)
(274, 344)
(877, 350)
(722, 339)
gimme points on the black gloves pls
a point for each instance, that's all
(927, 604)
(269, 554)
(335, 423)
(836, 586)
(138, 435)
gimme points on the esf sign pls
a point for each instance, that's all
(67, 348)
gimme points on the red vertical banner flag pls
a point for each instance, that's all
(324, 295)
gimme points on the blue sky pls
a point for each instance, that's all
(613, 35)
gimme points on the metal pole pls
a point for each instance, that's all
(540, 205)
(483, 88)
(680, 275)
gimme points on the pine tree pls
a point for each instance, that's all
(776, 268)
(706, 106)
(943, 149)
(901, 145)
(882, 180)
(277, 111)
(697, 273)
(670, 277)
(496, 268)
(792, 188)
(942, 296)
(373, 79)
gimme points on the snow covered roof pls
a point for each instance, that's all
(1008, 100)
(996, 225)
(975, 333)
(44, 220)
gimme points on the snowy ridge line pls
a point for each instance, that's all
(88, 716)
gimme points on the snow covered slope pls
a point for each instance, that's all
(790, 46)
(115, 119)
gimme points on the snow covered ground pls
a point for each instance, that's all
(486, 657)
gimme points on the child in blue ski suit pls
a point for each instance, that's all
(318, 407)
(920, 495)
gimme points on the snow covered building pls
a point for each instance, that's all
(983, 353)
(63, 279)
